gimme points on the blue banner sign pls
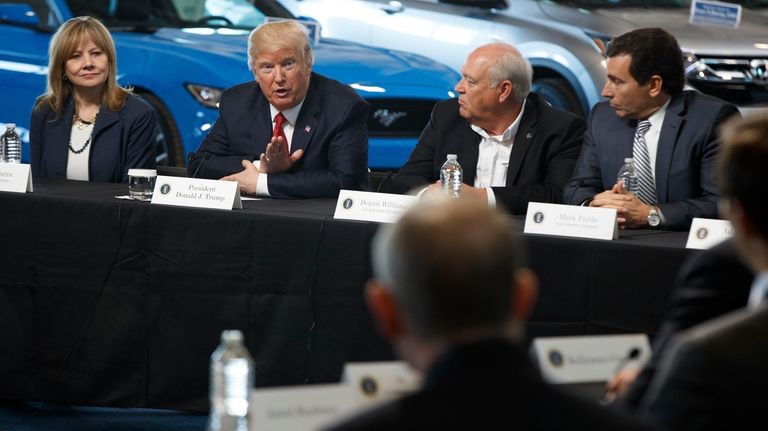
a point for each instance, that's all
(715, 13)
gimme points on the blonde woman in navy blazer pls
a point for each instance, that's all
(85, 126)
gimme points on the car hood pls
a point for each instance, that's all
(344, 61)
(696, 39)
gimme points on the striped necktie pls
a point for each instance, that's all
(646, 190)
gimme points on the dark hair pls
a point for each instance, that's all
(653, 52)
(451, 265)
(742, 165)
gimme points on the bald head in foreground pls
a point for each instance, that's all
(451, 294)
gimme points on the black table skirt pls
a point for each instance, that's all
(106, 301)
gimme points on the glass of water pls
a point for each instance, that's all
(141, 184)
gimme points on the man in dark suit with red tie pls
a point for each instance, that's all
(291, 132)
(670, 133)
(512, 146)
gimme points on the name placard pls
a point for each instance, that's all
(715, 13)
(15, 177)
(706, 232)
(372, 382)
(196, 192)
(589, 358)
(299, 407)
(571, 221)
(369, 206)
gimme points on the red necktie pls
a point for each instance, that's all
(279, 121)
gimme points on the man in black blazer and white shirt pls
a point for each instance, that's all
(292, 132)
(512, 146)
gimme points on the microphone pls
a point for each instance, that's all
(202, 159)
(612, 391)
(633, 354)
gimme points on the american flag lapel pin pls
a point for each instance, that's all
(307, 129)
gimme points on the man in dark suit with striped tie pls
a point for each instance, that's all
(670, 133)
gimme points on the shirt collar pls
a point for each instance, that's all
(290, 114)
(508, 134)
(657, 118)
(757, 294)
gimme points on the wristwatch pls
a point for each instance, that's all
(654, 218)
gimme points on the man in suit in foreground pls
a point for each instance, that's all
(710, 283)
(670, 133)
(512, 146)
(714, 375)
(451, 295)
(292, 132)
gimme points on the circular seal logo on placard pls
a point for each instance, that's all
(555, 358)
(702, 233)
(348, 203)
(538, 217)
(165, 188)
(369, 386)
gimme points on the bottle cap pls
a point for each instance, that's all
(451, 156)
(629, 160)
(232, 335)
(142, 172)
(10, 125)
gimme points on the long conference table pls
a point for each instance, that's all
(105, 301)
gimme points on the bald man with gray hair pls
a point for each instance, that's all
(513, 146)
(451, 293)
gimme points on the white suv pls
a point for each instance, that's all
(561, 38)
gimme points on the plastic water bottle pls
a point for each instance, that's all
(10, 151)
(11, 143)
(451, 177)
(628, 176)
(231, 383)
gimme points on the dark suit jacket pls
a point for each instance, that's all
(710, 283)
(488, 385)
(331, 129)
(714, 376)
(546, 147)
(685, 160)
(121, 140)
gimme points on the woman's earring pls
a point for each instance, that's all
(66, 78)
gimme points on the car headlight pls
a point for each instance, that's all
(716, 69)
(208, 96)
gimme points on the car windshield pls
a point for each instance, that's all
(673, 4)
(149, 14)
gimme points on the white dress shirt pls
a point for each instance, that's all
(652, 143)
(291, 115)
(493, 157)
(77, 164)
(652, 136)
(759, 290)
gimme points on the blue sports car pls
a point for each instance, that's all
(180, 54)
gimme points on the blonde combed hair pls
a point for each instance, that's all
(272, 36)
(66, 40)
